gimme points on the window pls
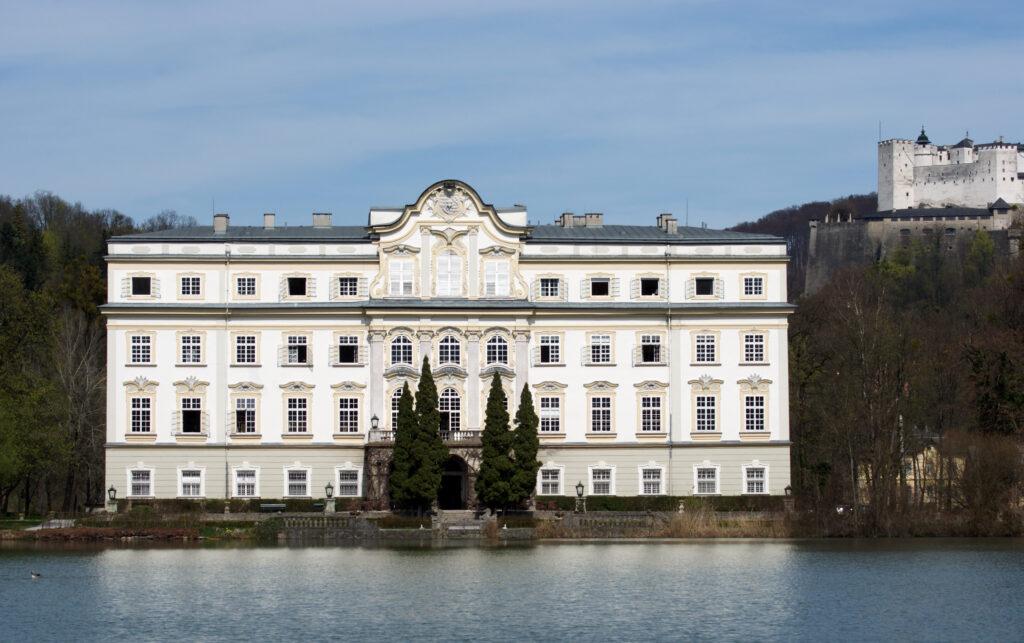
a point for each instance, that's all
(191, 287)
(705, 349)
(650, 286)
(600, 482)
(705, 412)
(650, 413)
(395, 399)
(298, 483)
(348, 483)
(245, 483)
(401, 277)
(497, 350)
(298, 349)
(191, 349)
(245, 415)
(449, 275)
(401, 350)
(191, 483)
(601, 349)
(496, 279)
(142, 286)
(142, 408)
(753, 286)
(550, 414)
(348, 286)
(245, 349)
(704, 286)
(650, 349)
(601, 414)
(550, 482)
(600, 287)
(348, 415)
(245, 286)
(296, 286)
(449, 351)
(348, 349)
(550, 287)
(296, 415)
(142, 483)
(141, 349)
(753, 348)
(550, 349)
(191, 415)
(754, 480)
(650, 481)
(753, 413)
(450, 407)
(707, 480)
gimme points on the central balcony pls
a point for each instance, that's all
(381, 437)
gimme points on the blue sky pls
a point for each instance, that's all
(629, 108)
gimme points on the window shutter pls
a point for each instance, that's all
(154, 287)
(691, 289)
(536, 354)
(126, 286)
(535, 290)
(335, 287)
(282, 291)
(634, 288)
(563, 289)
(310, 287)
(719, 288)
(585, 288)
(362, 286)
(585, 354)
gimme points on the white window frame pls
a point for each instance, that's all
(449, 274)
(348, 467)
(606, 342)
(546, 293)
(659, 408)
(601, 466)
(608, 410)
(185, 341)
(244, 401)
(309, 482)
(445, 347)
(547, 413)
(238, 343)
(550, 466)
(242, 293)
(662, 482)
(407, 341)
(304, 408)
(745, 480)
(499, 344)
(497, 278)
(753, 286)
(148, 407)
(347, 340)
(709, 342)
(345, 279)
(750, 423)
(152, 481)
(235, 482)
(698, 407)
(189, 283)
(202, 481)
(444, 399)
(750, 345)
(718, 479)
(146, 347)
(401, 277)
(348, 412)
(554, 345)
(396, 395)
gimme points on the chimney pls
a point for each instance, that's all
(594, 220)
(321, 219)
(668, 223)
(220, 223)
(268, 220)
(566, 219)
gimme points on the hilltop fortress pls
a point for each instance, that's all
(929, 193)
(921, 174)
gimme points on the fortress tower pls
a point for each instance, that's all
(921, 174)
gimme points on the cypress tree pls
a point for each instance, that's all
(525, 444)
(428, 452)
(405, 434)
(494, 480)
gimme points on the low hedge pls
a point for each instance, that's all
(663, 503)
(168, 506)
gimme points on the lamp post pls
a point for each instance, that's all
(329, 494)
(374, 424)
(112, 500)
(581, 502)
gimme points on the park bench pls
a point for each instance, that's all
(272, 507)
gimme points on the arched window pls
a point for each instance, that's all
(395, 398)
(401, 350)
(448, 351)
(449, 274)
(450, 407)
(497, 350)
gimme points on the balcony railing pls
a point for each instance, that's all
(448, 437)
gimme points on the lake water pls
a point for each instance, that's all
(951, 590)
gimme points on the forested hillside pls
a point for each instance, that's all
(52, 374)
(792, 224)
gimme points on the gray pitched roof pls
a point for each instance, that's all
(1000, 204)
(642, 234)
(910, 213)
(253, 233)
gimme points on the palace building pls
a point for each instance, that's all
(266, 361)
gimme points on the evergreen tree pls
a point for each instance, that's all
(427, 450)
(494, 480)
(405, 434)
(525, 444)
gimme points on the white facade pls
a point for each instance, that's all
(250, 361)
(920, 174)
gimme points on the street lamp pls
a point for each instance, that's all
(112, 493)
(789, 490)
(329, 490)
(581, 504)
(579, 489)
(374, 422)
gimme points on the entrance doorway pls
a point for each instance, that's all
(453, 484)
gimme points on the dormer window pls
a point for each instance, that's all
(496, 279)
(142, 286)
(704, 286)
(600, 287)
(401, 277)
(296, 286)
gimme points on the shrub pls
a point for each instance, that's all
(663, 503)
